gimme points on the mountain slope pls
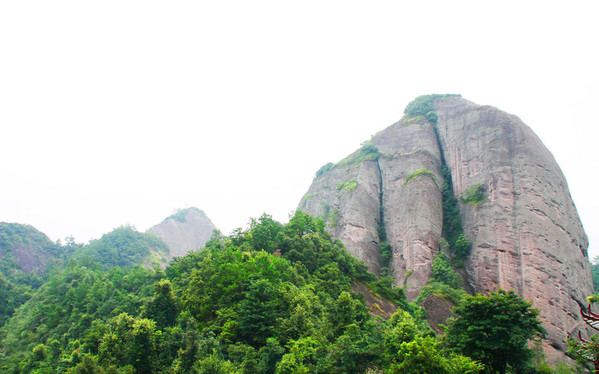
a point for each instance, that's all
(510, 199)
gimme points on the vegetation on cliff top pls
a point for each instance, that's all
(368, 151)
(423, 106)
(181, 214)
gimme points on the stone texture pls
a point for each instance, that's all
(526, 235)
(185, 231)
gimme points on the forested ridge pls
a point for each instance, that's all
(275, 298)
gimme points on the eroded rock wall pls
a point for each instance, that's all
(525, 234)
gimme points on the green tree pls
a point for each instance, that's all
(495, 329)
(163, 308)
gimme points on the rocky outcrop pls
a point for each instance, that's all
(524, 230)
(25, 249)
(184, 231)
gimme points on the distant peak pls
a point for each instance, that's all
(180, 215)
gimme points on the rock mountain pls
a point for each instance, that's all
(186, 230)
(513, 205)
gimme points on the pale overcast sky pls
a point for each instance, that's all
(119, 112)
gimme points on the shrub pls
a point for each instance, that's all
(474, 194)
(418, 173)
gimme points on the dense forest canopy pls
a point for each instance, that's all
(275, 298)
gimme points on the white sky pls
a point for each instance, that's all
(119, 112)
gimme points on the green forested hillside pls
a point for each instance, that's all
(271, 299)
(125, 247)
(26, 256)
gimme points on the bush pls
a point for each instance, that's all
(417, 173)
(474, 194)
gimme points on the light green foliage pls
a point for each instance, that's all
(474, 195)
(418, 173)
(180, 214)
(423, 106)
(444, 282)
(443, 272)
(347, 186)
(307, 197)
(407, 350)
(124, 247)
(367, 152)
(495, 329)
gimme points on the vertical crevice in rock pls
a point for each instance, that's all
(385, 248)
(452, 231)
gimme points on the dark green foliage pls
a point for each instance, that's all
(324, 169)
(595, 273)
(459, 246)
(386, 254)
(163, 308)
(495, 330)
(474, 194)
(124, 247)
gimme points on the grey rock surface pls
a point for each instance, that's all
(526, 234)
(187, 230)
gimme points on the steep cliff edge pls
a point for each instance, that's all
(186, 230)
(514, 203)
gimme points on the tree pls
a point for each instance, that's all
(494, 329)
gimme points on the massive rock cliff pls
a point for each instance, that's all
(184, 231)
(515, 207)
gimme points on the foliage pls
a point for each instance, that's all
(332, 218)
(495, 330)
(20, 278)
(347, 186)
(443, 272)
(275, 298)
(595, 273)
(418, 173)
(124, 247)
(325, 169)
(474, 195)
(386, 254)
(368, 151)
(459, 247)
(180, 214)
(423, 106)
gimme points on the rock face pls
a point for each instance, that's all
(525, 233)
(25, 249)
(184, 231)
